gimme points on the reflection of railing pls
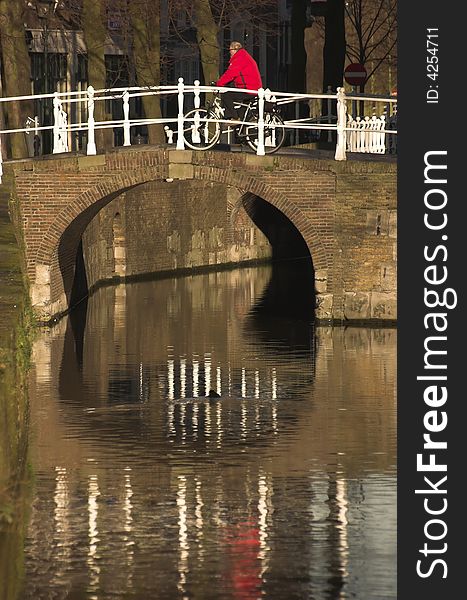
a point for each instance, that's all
(185, 380)
(248, 410)
(194, 376)
(85, 538)
(200, 510)
(186, 96)
(195, 421)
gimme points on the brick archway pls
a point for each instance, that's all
(57, 250)
(345, 211)
(104, 192)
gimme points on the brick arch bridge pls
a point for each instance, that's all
(345, 212)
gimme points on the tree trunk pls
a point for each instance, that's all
(334, 45)
(95, 32)
(206, 35)
(145, 26)
(333, 57)
(297, 73)
(314, 43)
(16, 73)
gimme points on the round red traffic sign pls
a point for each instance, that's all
(355, 74)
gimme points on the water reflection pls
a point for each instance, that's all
(211, 356)
(283, 488)
(290, 292)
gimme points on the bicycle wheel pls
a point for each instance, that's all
(201, 129)
(274, 133)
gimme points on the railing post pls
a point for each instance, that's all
(350, 134)
(260, 148)
(367, 127)
(37, 137)
(91, 147)
(374, 136)
(170, 134)
(382, 135)
(341, 124)
(56, 134)
(196, 100)
(329, 111)
(297, 117)
(195, 136)
(180, 140)
(126, 118)
(361, 134)
(270, 140)
(60, 133)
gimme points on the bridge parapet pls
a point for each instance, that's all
(341, 124)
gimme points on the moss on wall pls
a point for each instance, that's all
(16, 335)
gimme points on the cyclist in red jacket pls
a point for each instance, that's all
(244, 73)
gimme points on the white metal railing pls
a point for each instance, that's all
(354, 134)
(366, 134)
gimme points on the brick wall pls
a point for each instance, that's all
(161, 226)
(366, 235)
(345, 211)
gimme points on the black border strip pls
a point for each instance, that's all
(426, 126)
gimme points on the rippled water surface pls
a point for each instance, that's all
(284, 488)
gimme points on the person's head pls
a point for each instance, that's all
(234, 48)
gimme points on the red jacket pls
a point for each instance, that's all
(243, 71)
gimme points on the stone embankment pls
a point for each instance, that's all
(16, 333)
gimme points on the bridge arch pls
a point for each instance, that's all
(345, 212)
(58, 248)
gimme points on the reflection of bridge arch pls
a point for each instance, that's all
(168, 400)
(145, 385)
(198, 514)
(58, 249)
(249, 411)
(189, 359)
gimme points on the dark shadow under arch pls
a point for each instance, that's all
(70, 251)
(280, 299)
(292, 265)
(285, 239)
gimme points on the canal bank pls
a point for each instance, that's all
(16, 334)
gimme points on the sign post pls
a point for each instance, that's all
(355, 74)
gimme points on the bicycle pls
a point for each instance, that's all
(203, 129)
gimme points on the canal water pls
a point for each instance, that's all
(283, 488)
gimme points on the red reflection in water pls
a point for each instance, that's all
(242, 544)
